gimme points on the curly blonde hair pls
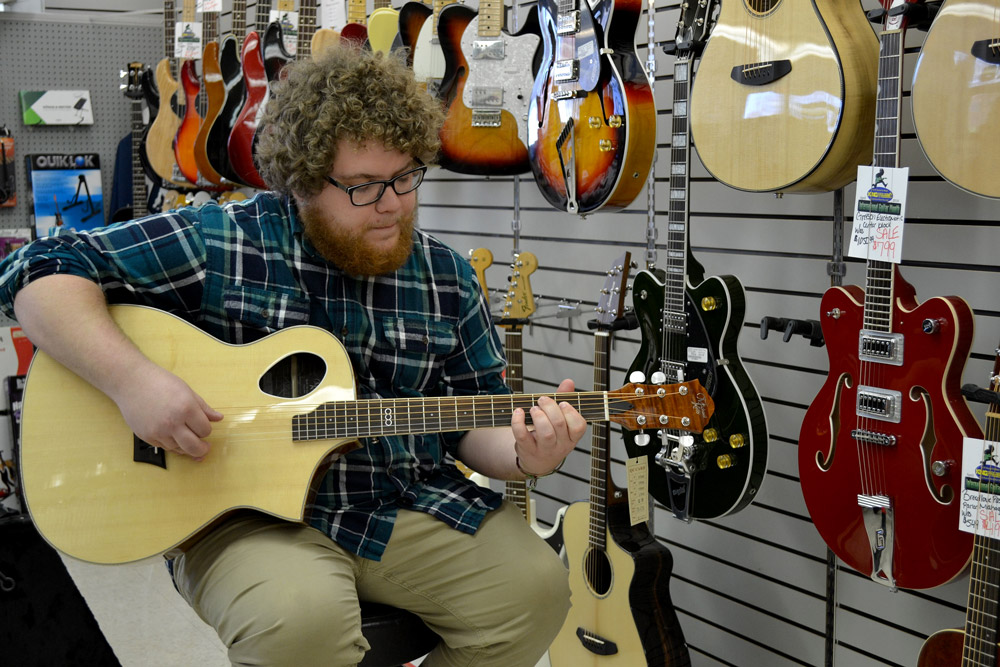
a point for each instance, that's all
(348, 94)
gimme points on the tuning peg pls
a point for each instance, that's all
(642, 439)
(659, 377)
(637, 377)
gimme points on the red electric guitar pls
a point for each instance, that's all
(187, 133)
(879, 444)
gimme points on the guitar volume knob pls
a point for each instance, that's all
(709, 303)
(710, 435)
(737, 440)
(725, 461)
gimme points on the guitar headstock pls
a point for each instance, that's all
(133, 81)
(611, 303)
(481, 259)
(685, 406)
(697, 19)
(520, 302)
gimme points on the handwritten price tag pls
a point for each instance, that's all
(637, 470)
(879, 212)
(980, 509)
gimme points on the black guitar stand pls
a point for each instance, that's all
(977, 394)
(920, 16)
(76, 201)
(809, 329)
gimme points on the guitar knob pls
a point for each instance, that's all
(637, 377)
(642, 439)
(710, 435)
(659, 377)
(933, 326)
(736, 441)
(725, 461)
(709, 303)
(941, 468)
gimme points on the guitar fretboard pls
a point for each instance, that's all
(490, 18)
(239, 20)
(169, 21)
(139, 193)
(400, 416)
(674, 318)
(598, 522)
(307, 28)
(879, 279)
(515, 491)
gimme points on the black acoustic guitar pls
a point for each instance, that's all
(690, 326)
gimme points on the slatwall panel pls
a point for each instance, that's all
(750, 589)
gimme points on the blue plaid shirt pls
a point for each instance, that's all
(244, 270)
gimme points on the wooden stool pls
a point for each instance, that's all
(396, 636)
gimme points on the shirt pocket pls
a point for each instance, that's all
(412, 351)
(266, 310)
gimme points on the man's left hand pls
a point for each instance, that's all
(557, 429)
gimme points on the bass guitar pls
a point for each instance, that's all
(591, 117)
(877, 444)
(383, 26)
(786, 95)
(216, 92)
(96, 492)
(231, 71)
(190, 125)
(619, 574)
(956, 88)
(690, 326)
(976, 646)
(159, 142)
(483, 130)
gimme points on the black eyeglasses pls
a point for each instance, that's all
(364, 194)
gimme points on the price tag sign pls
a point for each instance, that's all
(204, 6)
(879, 211)
(637, 470)
(980, 509)
(187, 40)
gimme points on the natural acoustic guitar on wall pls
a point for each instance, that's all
(484, 130)
(690, 326)
(878, 443)
(619, 574)
(102, 499)
(956, 94)
(976, 644)
(786, 95)
(591, 118)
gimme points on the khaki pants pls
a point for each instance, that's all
(285, 594)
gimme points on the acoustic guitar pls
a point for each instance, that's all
(786, 95)
(190, 125)
(591, 117)
(690, 327)
(619, 574)
(484, 131)
(976, 645)
(956, 94)
(98, 493)
(877, 444)
(159, 142)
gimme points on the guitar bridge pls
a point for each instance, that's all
(485, 118)
(596, 644)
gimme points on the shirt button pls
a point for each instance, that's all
(343, 332)
(265, 313)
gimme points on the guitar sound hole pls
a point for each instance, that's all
(761, 7)
(598, 571)
(293, 376)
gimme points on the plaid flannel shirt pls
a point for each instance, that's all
(244, 270)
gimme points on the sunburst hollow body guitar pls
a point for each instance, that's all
(786, 95)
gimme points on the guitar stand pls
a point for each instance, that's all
(806, 328)
(76, 201)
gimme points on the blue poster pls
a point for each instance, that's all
(66, 191)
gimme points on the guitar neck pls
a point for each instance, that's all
(239, 19)
(356, 12)
(490, 18)
(674, 349)
(169, 22)
(307, 28)
(139, 193)
(516, 491)
(600, 484)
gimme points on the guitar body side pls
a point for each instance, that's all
(429, 65)
(929, 549)
(216, 92)
(956, 96)
(187, 133)
(141, 509)
(160, 137)
(383, 26)
(945, 648)
(412, 17)
(636, 614)
(241, 140)
(739, 411)
(216, 147)
(804, 132)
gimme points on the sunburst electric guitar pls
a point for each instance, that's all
(976, 645)
(484, 130)
(786, 95)
(619, 574)
(690, 326)
(591, 117)
(878, 443)
(98, 493)
(956, 94)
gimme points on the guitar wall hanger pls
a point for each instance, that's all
(919, 14)
(977, 394)
(809, 329)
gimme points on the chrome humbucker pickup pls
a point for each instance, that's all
(882, 404)
(675, 321)
(486, 118)
(885, 348)
(486, 96)
(488, 49)
(568, 23)
(565, 71)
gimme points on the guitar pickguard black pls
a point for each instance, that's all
(737, 429)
